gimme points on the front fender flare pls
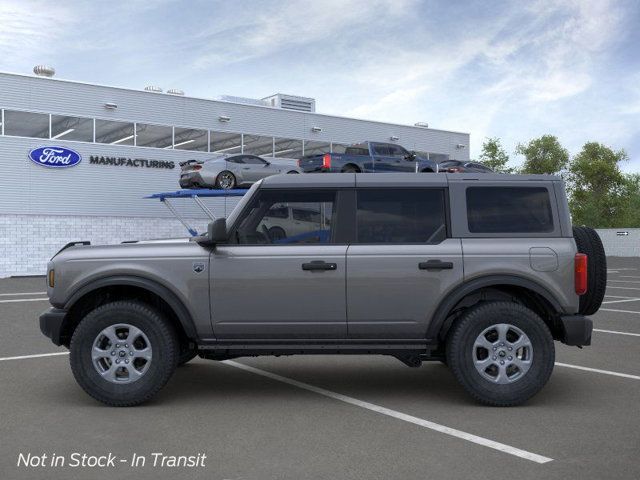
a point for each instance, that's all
(182, 313)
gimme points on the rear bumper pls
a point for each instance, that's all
(189, 180)
(576, 330)
(51, 324)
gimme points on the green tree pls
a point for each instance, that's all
(631, 204)
(543, 155)
(494, 156)
(599, 191)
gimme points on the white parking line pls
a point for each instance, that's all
(622, 301)
(616, 332)
(629, 276)
(619, 311)
(616, 296)
(622, 288)
(624, 281)
(485, 442)
(21, 293)
(39, 355)
(597, 370)
(16, 300)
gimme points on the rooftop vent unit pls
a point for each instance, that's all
(422, 124)
(44, 71)
(291, 102)
(243, 100)
(175, 91)
(153, 88)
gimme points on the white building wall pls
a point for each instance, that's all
(617, 244)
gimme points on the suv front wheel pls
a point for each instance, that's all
(123, 353)
(502, 353)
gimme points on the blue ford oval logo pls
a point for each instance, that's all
(55, 157)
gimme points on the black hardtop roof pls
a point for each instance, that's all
(330, 180)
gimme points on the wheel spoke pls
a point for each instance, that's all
(98, 353)
(502, 376)
(482, 341)
(143, 353)
(133, 373)
(134, 333)
(110, 373)
(502, 330)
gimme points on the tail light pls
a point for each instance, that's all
(298, 162)
(580, 269)
(197, 167)
(326, 161)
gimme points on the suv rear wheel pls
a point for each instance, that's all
(123, 353)
(502, 353)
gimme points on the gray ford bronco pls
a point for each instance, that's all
(479, 271)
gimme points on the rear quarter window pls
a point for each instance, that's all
(509, 210)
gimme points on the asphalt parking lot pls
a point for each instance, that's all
(349, 417)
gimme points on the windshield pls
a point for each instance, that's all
(231, 219)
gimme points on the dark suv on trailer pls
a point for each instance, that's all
(482, 272)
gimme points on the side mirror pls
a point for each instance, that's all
(267, 164)
(217, 231)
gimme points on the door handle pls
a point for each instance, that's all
(319, 265)
(435, 265)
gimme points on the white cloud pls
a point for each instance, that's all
(30, 28)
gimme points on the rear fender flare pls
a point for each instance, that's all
(461, 291)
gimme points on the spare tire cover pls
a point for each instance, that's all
(588, 242)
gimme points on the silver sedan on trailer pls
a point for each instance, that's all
(231, 171)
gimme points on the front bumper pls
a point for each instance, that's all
(51, 322)
(576, 330)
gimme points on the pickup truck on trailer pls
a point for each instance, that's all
(368, 157)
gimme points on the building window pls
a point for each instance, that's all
(114, 133)
(190, 139)
(287, 148)
(227, 143)
(257, 145)
(72, 128)
(157, 136)
(26, 124)
(316, 148)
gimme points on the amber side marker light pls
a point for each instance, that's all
(51, 277)
(580, 269)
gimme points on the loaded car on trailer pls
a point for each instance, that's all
(227, 172)
(482, 272)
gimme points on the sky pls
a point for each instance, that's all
(513, 70)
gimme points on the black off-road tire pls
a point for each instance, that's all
(470, 325)
(588, 242)
(164, 344)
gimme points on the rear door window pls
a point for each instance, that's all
(509, 210)
(401, 216)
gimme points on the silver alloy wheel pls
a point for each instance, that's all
(226, 180)
(121, 353)
(502, 353)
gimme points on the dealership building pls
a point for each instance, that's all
(127, 144)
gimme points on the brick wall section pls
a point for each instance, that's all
(27, 242)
